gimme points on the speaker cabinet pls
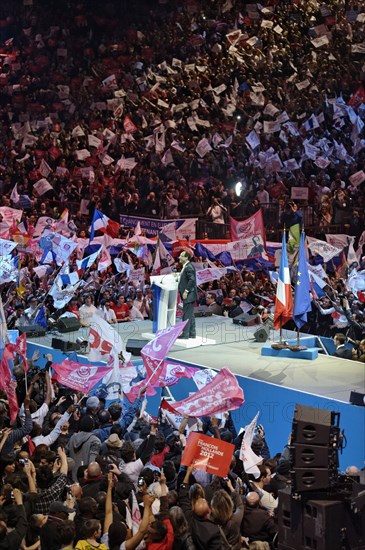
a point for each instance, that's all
(62, 345)
(68, 324)
(134, 346)
(32, 330)
(313, 456)
(245, 319)
(318, 524)
(261, 334)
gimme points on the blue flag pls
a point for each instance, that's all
(302, 301)
(41, 318)
(201, 250)
(225, 258)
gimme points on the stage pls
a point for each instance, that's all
(272, 385)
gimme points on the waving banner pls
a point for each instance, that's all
(79, 377)
(222, 394)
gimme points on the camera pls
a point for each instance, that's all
(140, 481)
(156, 475)
(23, 461)
(110, 467)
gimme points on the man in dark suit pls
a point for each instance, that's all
(339, 341)
(189, 293)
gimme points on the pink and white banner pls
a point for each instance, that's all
(222, 394)
(77, 376)
(254, 225)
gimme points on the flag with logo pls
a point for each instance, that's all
(284, 297)
(251, 227)
(222, 394)
(103, 338)
(78, 376)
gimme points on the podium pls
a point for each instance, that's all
(164, 292)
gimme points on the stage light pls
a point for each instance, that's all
(82, 342)
(238, 188)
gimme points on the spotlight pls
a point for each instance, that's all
(82, 342)
(238, 188)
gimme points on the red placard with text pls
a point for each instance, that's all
(208, 453)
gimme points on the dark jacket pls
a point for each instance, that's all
(258, 525)
(188, 282)
(343, 352)
(232, 528)
(206, 534)
(13, 539)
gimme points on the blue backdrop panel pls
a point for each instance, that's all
(275, 403)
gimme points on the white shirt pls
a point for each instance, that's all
(53, 436)
(86, 313)
(108, 314)
(38, 416)
(132, 469)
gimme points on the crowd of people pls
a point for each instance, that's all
(168, 110)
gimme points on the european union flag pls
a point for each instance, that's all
(41, 318)
(302, 301)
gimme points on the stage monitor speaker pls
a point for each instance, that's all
(357, 398)
(245, 319)
(62, 345)
(68, 324)
(261, 334)
(202, 311)
(134, 346)
(32, 330)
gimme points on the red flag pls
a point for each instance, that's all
(20, 347)
(361, 296)
(79, 377)
(7, 384)
(357, 98)
(128, 125)
(221, 394)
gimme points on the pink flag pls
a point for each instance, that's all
(153, 356)
(252, 226)
(154, 353)
(221, 394)
(77, 376)
(7, 384)
(169, 374)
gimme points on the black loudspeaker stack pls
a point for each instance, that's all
(322, 510)
(314, 449)
(68, 324)
(134, 346)
(318, 524)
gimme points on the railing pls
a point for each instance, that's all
(206, 229)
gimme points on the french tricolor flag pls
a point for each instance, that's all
(284, 296)
(102, 223)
